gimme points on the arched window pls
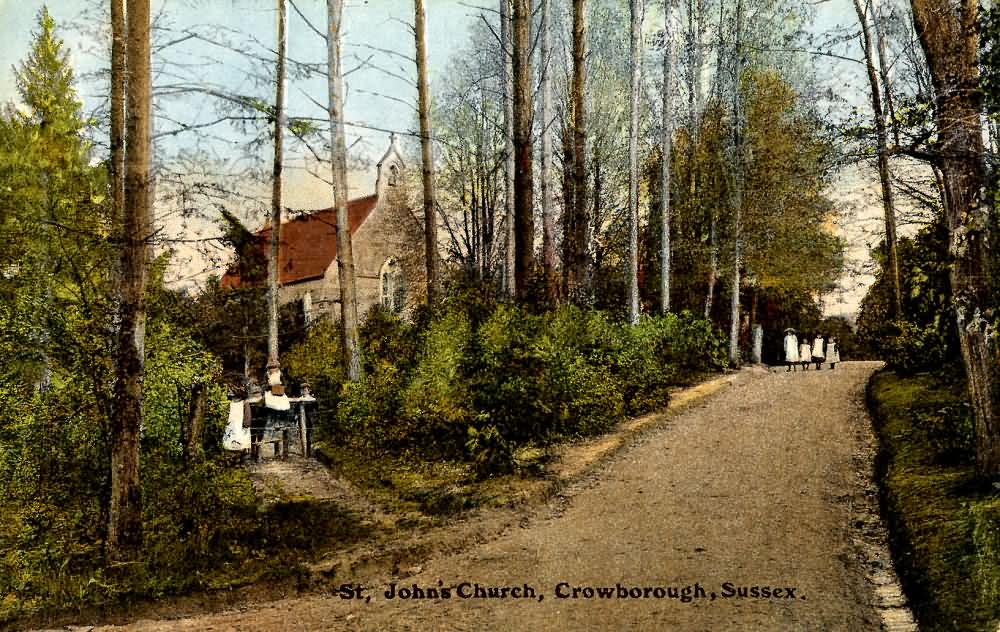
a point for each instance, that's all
(392, 286)
(307, 307)
(393, 175)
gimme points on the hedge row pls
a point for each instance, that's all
(478, 380)
(945, 525)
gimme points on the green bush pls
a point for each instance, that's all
(489, 452)
(368, 411)
(910, 348)
(437, 401)
(498, 373)
(319, 362)
(385, 338)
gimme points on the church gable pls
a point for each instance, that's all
(386, 242)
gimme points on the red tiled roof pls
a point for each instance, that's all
(308, 243)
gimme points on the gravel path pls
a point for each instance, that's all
(755, 488)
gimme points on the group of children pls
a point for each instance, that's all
(796, 353)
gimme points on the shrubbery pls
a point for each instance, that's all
(945, 540)
(478, 379)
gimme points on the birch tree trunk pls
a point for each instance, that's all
(883, 158)
(636, 8)
(117, 135)
(273, 280)
(885, 72)
(713, 231)
(524, 197)
(424, 108)
(508, 131)
(737, 201)
(125, 515)
(548, 237)
(949, 36)
(665, 151)
(345, 255)
(575, 215)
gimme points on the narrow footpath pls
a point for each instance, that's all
(749, 510)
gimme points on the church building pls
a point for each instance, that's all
(386, 239)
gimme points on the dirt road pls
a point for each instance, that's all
(737, 514)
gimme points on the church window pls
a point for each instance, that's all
(392, 285)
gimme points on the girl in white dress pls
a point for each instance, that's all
(817, 352)
(791, 348)
(832, 353)
(804, 353)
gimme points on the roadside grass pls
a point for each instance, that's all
(945, 527)
(237, 542)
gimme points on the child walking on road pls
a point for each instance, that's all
(817, 352)
(804, 353)
(791, 348)
(832, 353)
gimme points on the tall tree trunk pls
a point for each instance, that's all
(508, 132)
(575, 215)
(713, 260)
(117, 136)
(524, 195)
(883, 158)
(884, 72)
(548, 221)
(273, 279)
(737, 200)
(345, 255)
(948, 33)
(125, 516)
(666, 144)
(636, 9)
(713, 230)
(195, 423)
(424, 107)
(568, 195)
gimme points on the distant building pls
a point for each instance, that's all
(386, 239)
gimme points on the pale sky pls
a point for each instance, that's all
(370, 25)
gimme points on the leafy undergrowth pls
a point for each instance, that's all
(420, 490)
(217, 536)
(945, 525)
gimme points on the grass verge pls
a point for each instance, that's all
(945, 527)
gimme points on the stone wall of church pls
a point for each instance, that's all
(391, 230)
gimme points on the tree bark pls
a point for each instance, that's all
(273, 279)
(884, 72)
(508, 131)
(195, 418)
(636, 9)
(883, 159)
(737, 200)
(949, 36)
(125, 516)
(548, 221)
(713, 230)
(345, 255)
(575, 215)
(665, 151)
(117, 135)
(424, 108)
(524, 196)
